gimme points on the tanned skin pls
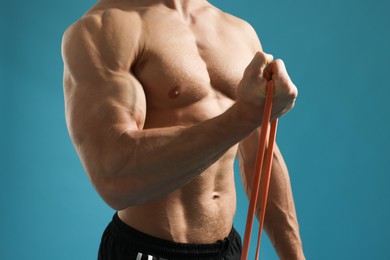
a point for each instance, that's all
(161, 95)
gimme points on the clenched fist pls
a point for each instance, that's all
(253, 86)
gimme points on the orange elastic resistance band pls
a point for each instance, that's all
(258, 172)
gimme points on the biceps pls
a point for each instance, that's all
(99, 112)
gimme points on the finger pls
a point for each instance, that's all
(263, 59)
(259, 62)
(277, 70)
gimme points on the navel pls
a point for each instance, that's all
(174, 92)
(215, 196)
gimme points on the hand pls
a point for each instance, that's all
(253, 86)
(285, 91)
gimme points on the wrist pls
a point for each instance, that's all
(248, 114)
(296, 255)
(288, 245)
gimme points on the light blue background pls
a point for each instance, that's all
(335, 141)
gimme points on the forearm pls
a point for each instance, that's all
(281, 223)
(154, 162)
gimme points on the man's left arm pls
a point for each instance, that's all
(281, 223)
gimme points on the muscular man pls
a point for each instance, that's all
(159, 100)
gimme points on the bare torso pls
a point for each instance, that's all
(160, 96)
(189, 66)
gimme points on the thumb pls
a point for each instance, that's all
(259, 62)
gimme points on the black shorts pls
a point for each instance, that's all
(122, 242)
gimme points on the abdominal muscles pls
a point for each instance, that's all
(201, 212)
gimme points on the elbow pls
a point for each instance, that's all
(116, 182)
(119, 192)
(115, 201)
(115, 204)
(116, 198)
(112, 169)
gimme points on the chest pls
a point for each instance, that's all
(182, 64)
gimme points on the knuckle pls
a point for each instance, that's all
(296, 93)
(279, 68)
(293, 92)
(279, 62)
(262, 56)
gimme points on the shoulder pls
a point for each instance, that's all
(244, 28)
(104, 21)
(105, 36)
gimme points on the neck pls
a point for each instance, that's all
(184, 7)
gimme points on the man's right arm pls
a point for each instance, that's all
(106, 110)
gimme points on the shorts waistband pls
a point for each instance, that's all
(125, 234)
